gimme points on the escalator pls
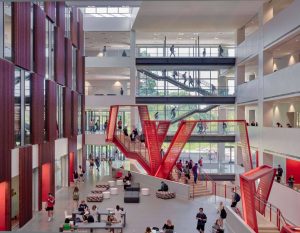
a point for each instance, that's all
(185, 115)
(204, 92)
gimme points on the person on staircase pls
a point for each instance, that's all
(279, 173)
(120, 124)
(191, 164)
(175, 73)
(195, 172)
(186, 172)
(162, 153)
(125, 130)
(191, 81)
(200, 162)
(156, 116)
(235, 198)
(173, 113)
(184, 78)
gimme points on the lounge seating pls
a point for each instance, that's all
(94, 198)
(133, 187)
(165, 195)
(102, 186)
(97, 191)
(131, 197)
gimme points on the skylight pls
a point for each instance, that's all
(108, 11)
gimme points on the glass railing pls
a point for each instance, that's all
(100, 91)
(204, 91)
(182, 50)
(114, 53)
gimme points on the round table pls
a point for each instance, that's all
(106, 195)
(114, 191)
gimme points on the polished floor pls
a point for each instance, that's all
(149, 212)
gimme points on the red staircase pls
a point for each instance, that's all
(162, 129)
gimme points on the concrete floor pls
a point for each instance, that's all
(149, 212)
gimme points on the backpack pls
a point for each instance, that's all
(237, 197)
(223, 213)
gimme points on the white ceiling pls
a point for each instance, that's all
(97, 73)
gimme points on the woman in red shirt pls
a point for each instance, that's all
(50, 206)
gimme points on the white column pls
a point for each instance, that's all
(221, 146)
(132, 65)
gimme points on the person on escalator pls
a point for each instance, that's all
(173, 113)
(200, 127)
(174, 74)
(213, 88)
(191, 81)
(184, 78)
(156, 116)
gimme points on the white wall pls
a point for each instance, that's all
(107, 62)
(61, 148)
(14, 162)
(235, 223)
(247, 92)
(35, 156)
(249, 47)
(92, 101)
(79, 142)
(95, 139)
(105, 87)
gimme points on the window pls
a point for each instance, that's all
(49, 50)
(67, 22)
(22, 107)
(74, 61)
(59, 111)
(79, 114)
(107, 11)
(7, 30)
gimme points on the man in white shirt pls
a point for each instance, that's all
(118, 213)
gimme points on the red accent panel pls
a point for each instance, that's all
(46, 180)
(5, 205)
(59, 56)
(25, 183)
(245, 145)
(39, 40)
(21, 34)
(37, 109)
(71, 166)
(72, 151)
(257, 158)
(112, 121)
(74, 116)
(152, 145)
(68, 62)
(50, 10)
(79, 70)
(60, 15)
(162, 130)
(51, 125)
(292, 169)
(74, 29)
(180, 138)
(67, 112)
(80, 31)
(144, 114)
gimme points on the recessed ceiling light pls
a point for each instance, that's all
(179, 38)
(180, 33)
(216, 38)
(196, 33)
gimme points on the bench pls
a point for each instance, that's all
(165, 195)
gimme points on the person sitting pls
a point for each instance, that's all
(111, 220)
(164, 187)
(168, 227)
(94, 212)
(67, 226)
(252, 123)
(83, 206)
(217, 227)
(288, 125)
(148, 230)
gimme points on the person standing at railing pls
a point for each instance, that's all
(200, 127)
(104, 51)
(235, 198)
(204, 52)
(213, 88)
(121, 91)
(120, 124)
(172, 50)
(291, 181)
(224, 127)
(195, 172)
(125, 130)
(105, 125)
(221, 50)
(91, 125)
(279, 173)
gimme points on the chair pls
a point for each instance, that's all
(67, 216)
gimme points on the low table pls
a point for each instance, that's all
(119, 182)
(106, 195)
(111, 183)
(131, 197)
(133, 187)
(113, 191)
(145, 191)
(99, 225)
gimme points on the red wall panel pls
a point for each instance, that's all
(60, 14)
(67, 112)
(59, 56)
(74, 114)
(5, 204)
(292, 169)
(50, 10)
(51, 123)
(68, 62)
(37, 109)
(25, 185)
(79, 72)
(39, 40)
(21, 34)
(74, 26)
(72, 151)
(80, 31)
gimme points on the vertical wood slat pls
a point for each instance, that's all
(74, 113)
(74, 27)
(25, 185)
(39, 40)
(68, 62)
(21, 34)
(67, 112)
(59, 56)
(50, 10)
(80, 32)
(79, 72)
(60, 15)
(51, 122)
(6, 139)
(83, 123)
(37, 109)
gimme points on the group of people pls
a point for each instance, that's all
(220, 51)
(187, 168)
(78, 177)
(94, 126)
(134, 135)
(279, 174)
(288, 125)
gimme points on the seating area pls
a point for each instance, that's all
(165, 194)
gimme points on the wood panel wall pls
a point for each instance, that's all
(51, 122)
(25, 185)
(74, 114)
(68, 62)
(6, 139)
(60, 15)
(67, 112)
(37, 122)
(59, 54)
(39, 40)
(74, 27)
(80, 32)
(50, 10)
(21, 34)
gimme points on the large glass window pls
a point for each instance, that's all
(59, 111)
(17, 93)
(7, 30)
(49, 50)
(27, 98)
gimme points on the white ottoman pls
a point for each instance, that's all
(119, 182)
(106, 195)
(111, 183)
(114, 191)
(145, 191)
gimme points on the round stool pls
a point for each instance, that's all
(114, 191)
(111, 183)
(145, 191)
(106, 195)
(119, 182)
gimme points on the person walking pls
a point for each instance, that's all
(76, 197)
(105, 125)
(279, 173)
(224, 127)
(201, 220)
(91, 125)
(200, 162)
(50, 206)
(156, 116)
(221, 50)
(191, 81)
(184, 77)
(204, 52)
(121, 91)
(200, 127)
(172, 50)
(174, 74)
(173, 113)
(120, 124)
(235, 198)
(186, 172)
(195, 172)
(97, 162)
(222, 212)
(75, 177)
(162, 153)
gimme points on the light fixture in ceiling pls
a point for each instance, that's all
(180, 33)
